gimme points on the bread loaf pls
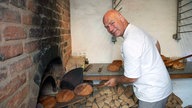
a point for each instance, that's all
(168, 63)
(178, 65)
(117, 63)
(65, 95)
(115, 66)
(83, 89)
(112, 68)
(48, 101)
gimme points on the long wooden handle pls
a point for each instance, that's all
(88, 67)
(100, 85)
(180, 59)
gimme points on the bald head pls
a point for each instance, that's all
(111, 13)
(114, 22)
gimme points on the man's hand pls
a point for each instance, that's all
(111, 82)
(121, 79)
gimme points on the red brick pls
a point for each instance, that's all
(68, 48)
(67, 38)
(11, 51)
(65, 25)
(0, 36)
(14, 33)
(8, 15)
(9, 88)
(31, 46)
(58, 8)
(27, 19)
(65, 18)
(3, 74)
(20, 65)
(31, 5)
(18, 98)
(25, 105)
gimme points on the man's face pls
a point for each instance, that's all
(114, 25)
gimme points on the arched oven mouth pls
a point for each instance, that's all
(49, 86)
(55, 79)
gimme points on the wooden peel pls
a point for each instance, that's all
(100, 85)
(169, 62)
(88, 67)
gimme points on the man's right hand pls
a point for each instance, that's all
(112, 82)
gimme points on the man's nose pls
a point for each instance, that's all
(110, 28)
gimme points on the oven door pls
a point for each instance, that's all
(72, 78)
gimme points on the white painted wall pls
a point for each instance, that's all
(88, 32)
(158, 17)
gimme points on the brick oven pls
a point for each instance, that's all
(32, 34)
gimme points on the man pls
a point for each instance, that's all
(143, 65)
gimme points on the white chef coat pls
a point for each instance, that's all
(143, 61)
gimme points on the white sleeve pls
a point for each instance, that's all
(132, 54)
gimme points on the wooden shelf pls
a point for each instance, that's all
(176, 76)
(93, 74)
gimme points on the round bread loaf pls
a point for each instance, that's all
(83, 89)
(117, 63)
(178, 65)
(48, 101)
(168, 63)
(113, 68)
(65, 95)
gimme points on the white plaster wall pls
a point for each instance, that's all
(158, 17)
(88, 33)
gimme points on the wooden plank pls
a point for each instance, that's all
(93, 74)
(173, 76)
(176, 76)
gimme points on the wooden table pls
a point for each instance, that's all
(183, 73)
(98, 71)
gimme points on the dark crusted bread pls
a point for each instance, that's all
(48, 101)
(178, 65)
(115, 66)
(65, 95)
(83, 89)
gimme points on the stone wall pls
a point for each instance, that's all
(32, 34)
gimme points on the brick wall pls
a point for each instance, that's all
(32, 33)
